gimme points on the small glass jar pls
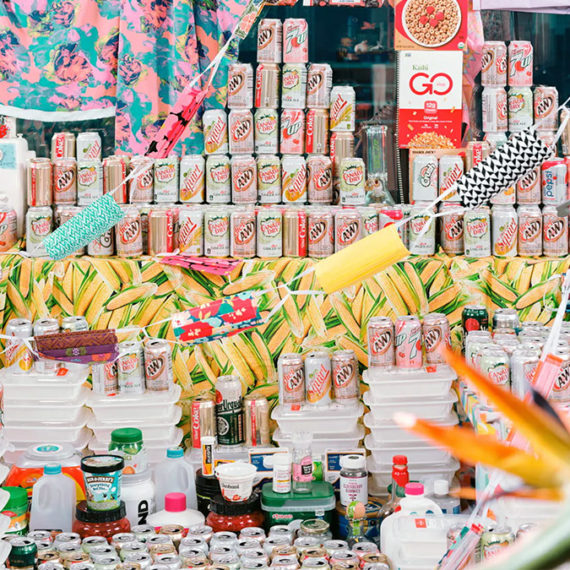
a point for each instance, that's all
(226, 516)
(100, 523)
(316, 528)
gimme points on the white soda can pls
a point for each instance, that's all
(193, 179)
(166, 179)
(89, 181)
(505, 231)
(269, 232)
(244, 180)
(240, 85)
(342, 109)
(240, 126)
(294, 86)
(268, 179)
(88, 146)
(424, 244)
(477, 232)
(266, 131)
(102, 246)
(294, 179)
(39, 224)
(217, 232)
(370, 223)
(191, 230)
(215, 127)
(352, 182)
(218, 179)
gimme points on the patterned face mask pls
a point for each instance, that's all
(83, 347)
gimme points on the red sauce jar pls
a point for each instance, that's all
(100, 523)
(225, 515)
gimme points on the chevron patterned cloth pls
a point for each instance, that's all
(523, 152)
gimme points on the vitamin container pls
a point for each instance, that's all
(323, 441)
(332, 419)
(227, 516)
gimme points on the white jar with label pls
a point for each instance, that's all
(282, 473)
(138, 493)
(353, 480)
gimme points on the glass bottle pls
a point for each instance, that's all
(302, 463)
(400, 478)
(356, 517)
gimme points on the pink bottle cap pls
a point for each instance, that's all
(410, 488)
(176, 502)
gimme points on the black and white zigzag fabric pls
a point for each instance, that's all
(523, 152)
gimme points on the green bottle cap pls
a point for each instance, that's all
(126, 435)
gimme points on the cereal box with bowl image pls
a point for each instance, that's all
(430, 96)
(431, 24)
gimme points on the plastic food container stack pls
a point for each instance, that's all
(50, 407)
(426, 393)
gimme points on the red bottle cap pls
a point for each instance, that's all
(175, 502)
(414, 489)
(400, 460)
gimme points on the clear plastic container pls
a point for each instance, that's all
(323, 441)
(427, 408)
(20, 411)
(331, 419)
(154, 406)
(18, 455)
(427, 453)
(174, 474)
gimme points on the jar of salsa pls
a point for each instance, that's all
(100, 523)
(225, 515)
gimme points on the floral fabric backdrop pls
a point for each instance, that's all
(63, 60)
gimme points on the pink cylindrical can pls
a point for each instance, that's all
(436, 335)
(294, 232)
(114, 175)
(64, 181)
(380, 342)
(546, 108)
(295, 41)
(292, 131)
(530, 231)
(554, 174)
(554, 233)
(269, 40)
(317, 131)
(529, 190)
(240, 125)
(8, 227)
(451, 226)
(240, 85)
(345, 377)
(294, 179)
(320, 178)
(320, 233)
(129, 234)
(348, 228)
(494, 64)
(408, 342)
(103, 246)
(520, 64)
(215, 127)
(319, 85)
(495, 111)
(244, 180)
(141, 187)
(267, 77)
(242, 233)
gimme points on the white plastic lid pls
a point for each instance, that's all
(440, 487)
(353, 462)
(281, 459)
(50, 452)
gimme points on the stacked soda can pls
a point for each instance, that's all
(318, 379)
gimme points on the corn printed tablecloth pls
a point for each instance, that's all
(115, 293)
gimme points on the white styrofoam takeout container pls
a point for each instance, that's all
(383, 454)
(323, 441)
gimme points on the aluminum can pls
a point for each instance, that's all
(128, 233)
(158, 365)
(218, 179)
(436, 335)
(348, 228)
(202, 418)
(476, 152)
(451, 229)
(240, 126)
(318, 378)
(229, 410)
(268, 179)
(266, 131)
(114, 174)
(320, 179)
(66, 213)
(217, 232)
(341, 146)
(39, 171)
(505, 319)
(408, 342)
(89, 181)
(291, 372)
(451, 169)
(39, 224)
(144, 211)
(530, 231)
(294, 179)
(192, 179)
(64, 181)
(8, 227)
(240, 86)
(130, 368)
(495, 140)
(215, 127)
(520, 64)
(505, 231)
(160, 231)
(424, 244)
(390, 215)
(269, 233)
(243, 230)
(496, 540)
(424, 177)
(19, 357)
(565, 133)
(292, 129)
(342, 109)
(529, 189)
(506, 196)
(88, 146)
(369, 216)
(380, 341)
(521, 113)
(256, 424)
(191, 230)
(549, 139)
(352, 182)
(554, 174)
(244, 179)
(267, 80)
(345, 378)
(294, 86)
(321, 234)
(141, 187)
(269, 40)
(494, 64)
(105, 379)
(295, 40)
(74, 324)
(62, 145)
(546, 108)
(495, 114)
(294, 233)
(561, 389)
(317, 131)
(524, 361)
(166, 179)
(477, 232)
(319, 85)
(554, 233)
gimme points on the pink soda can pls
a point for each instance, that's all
(520, 64)
(244, 179)
(240, 126)
(292, 131)
(380, 341)
(295, 40)
(320, 179)
(408, 342)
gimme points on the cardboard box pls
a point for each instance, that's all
(430, 96)
(431, 24)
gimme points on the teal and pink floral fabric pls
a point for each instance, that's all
(86, 59)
